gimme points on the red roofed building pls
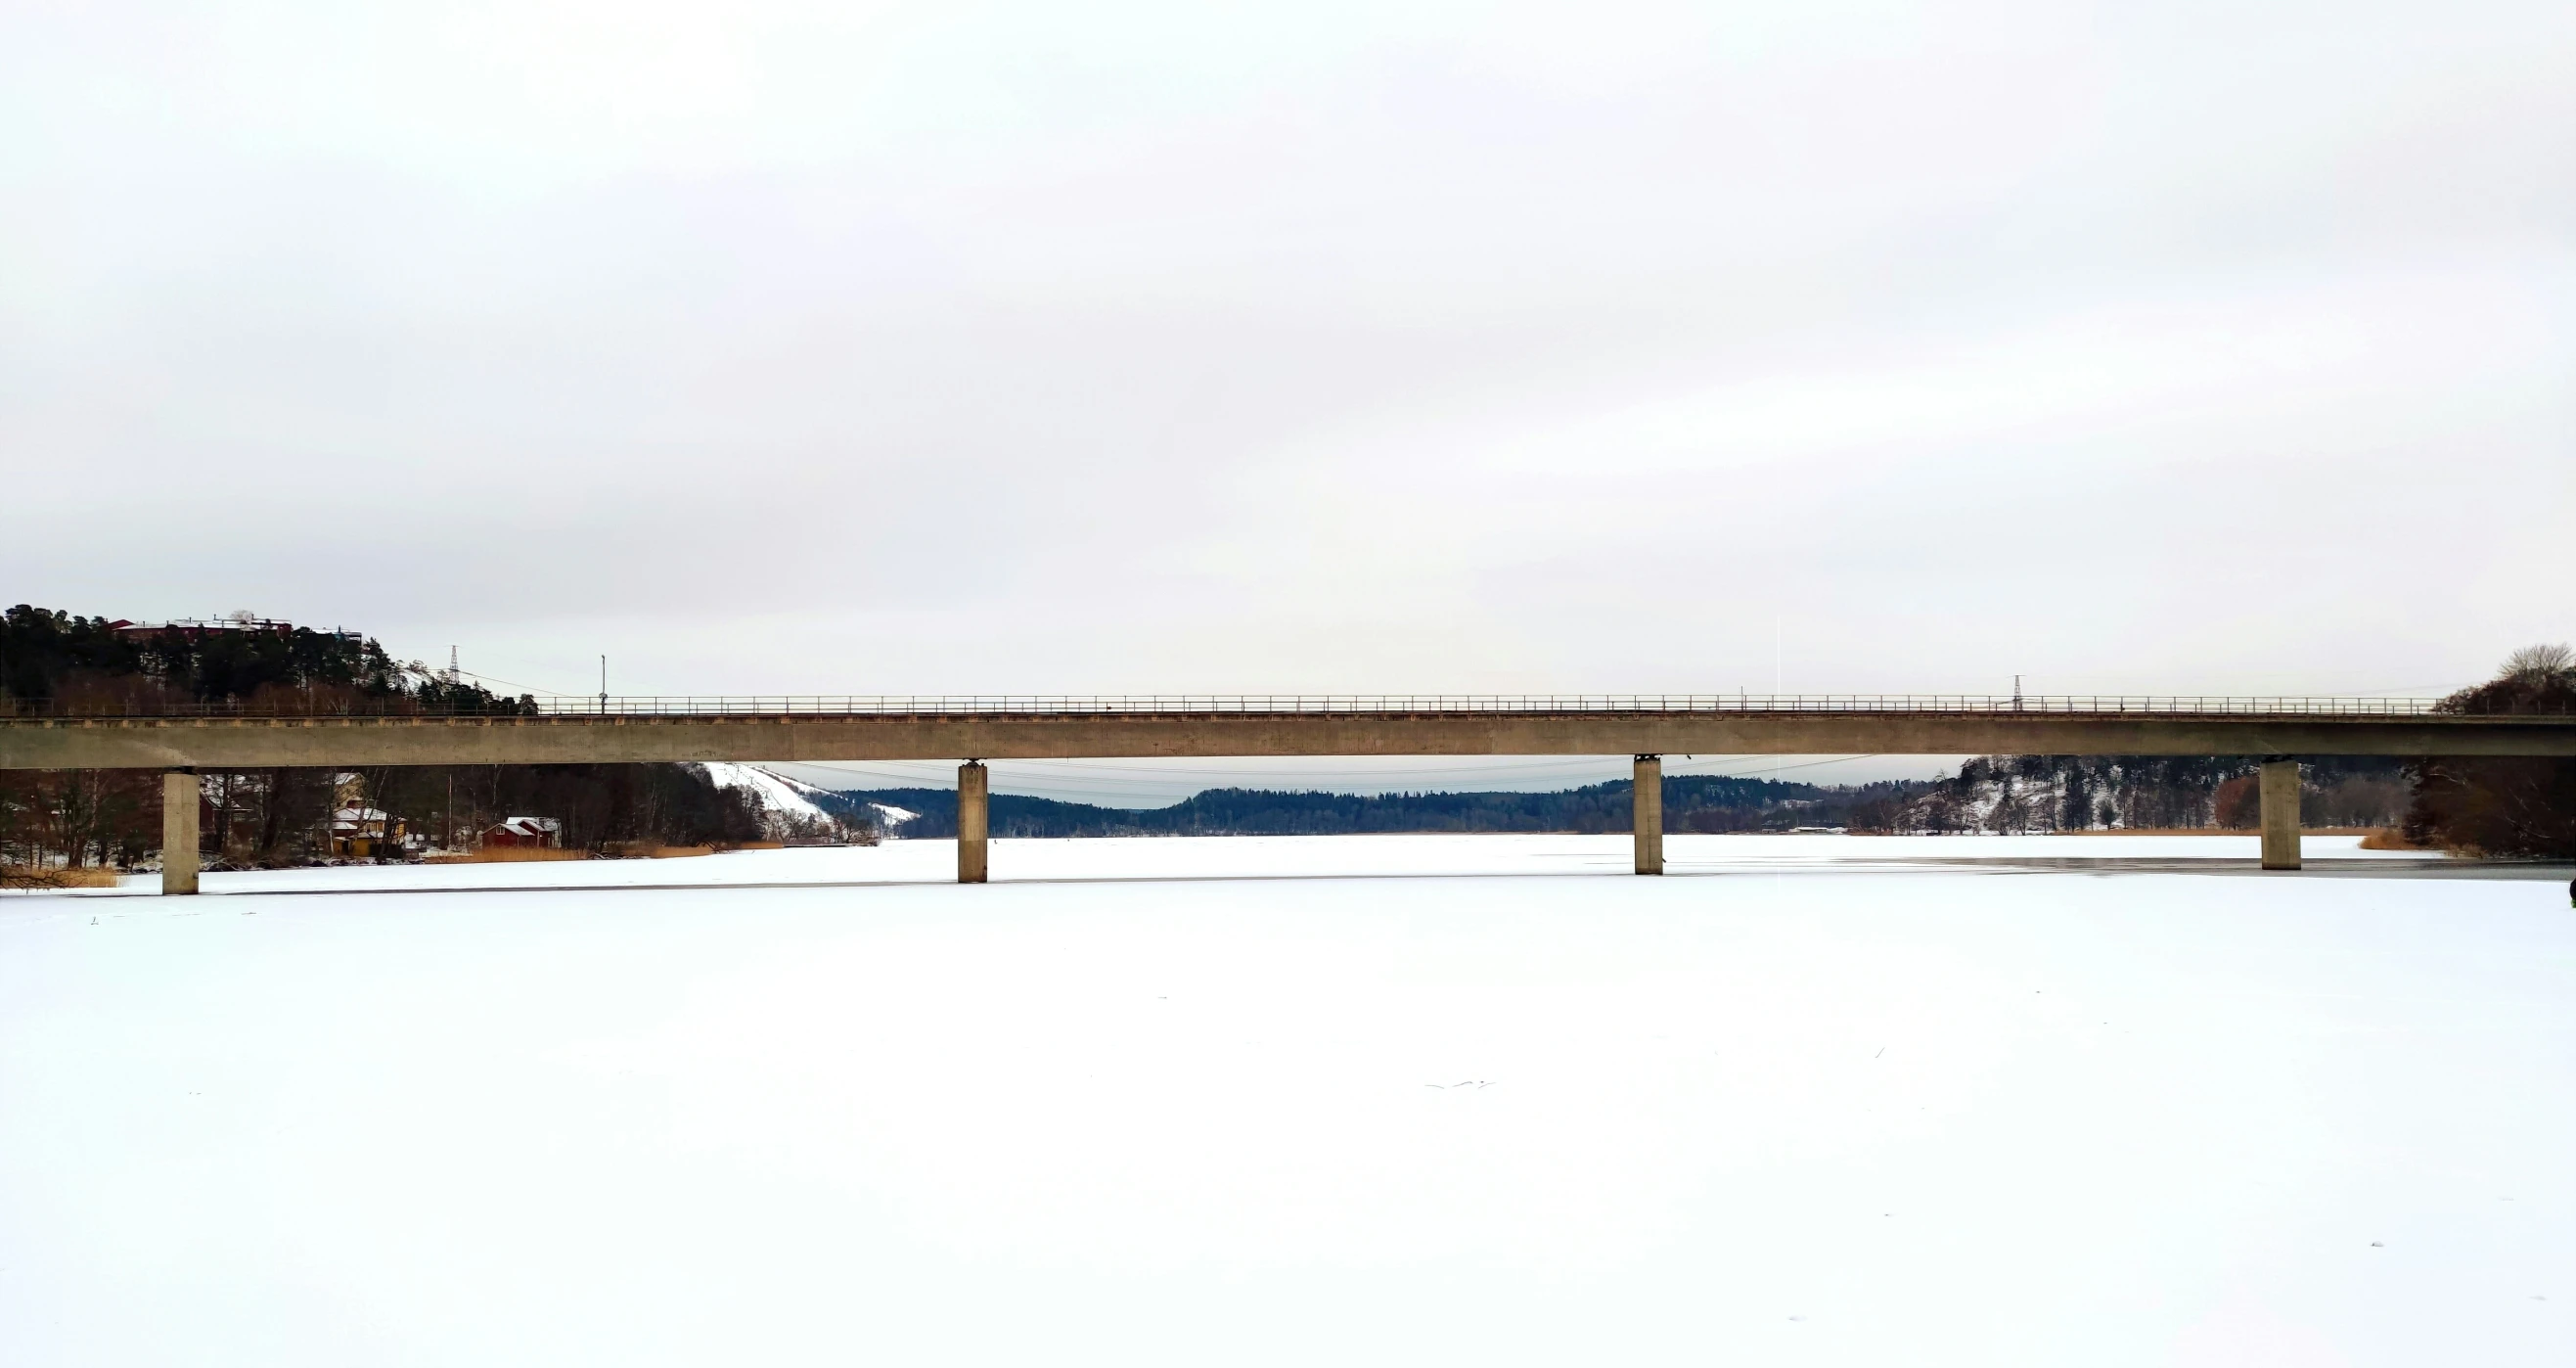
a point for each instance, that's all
(544, 832)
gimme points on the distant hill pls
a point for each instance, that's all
(1989, 793)
(1691, 803)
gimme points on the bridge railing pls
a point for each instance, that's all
(1416, 704)
(1135, 705)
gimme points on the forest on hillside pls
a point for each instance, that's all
(284, 816)
(2028, 793)
(2515, 805)
(57, 661)
(1991, 794)
(1691, 803)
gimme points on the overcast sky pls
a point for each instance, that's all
(962, 347)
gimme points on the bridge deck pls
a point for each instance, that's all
(626, 730)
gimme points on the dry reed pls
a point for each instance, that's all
(2220, 831)
(649, 850)
(505, 855)
(30, 876)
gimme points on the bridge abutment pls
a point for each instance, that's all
(1646, 806)
(973, 818)
(179, 831)
(2280, 794)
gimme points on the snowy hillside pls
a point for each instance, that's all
(789, 803)
(1998, 793)
(793, 804)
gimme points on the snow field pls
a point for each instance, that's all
(1824, 1117)
(1146, 857)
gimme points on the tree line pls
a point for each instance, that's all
(282, 816)
(55, 660)
(2032, 793)
(2039, 793)
(2501, 806)
(1691, 803)
(2513, 805)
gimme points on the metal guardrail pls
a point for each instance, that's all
(1126, 705)
(1416, 704)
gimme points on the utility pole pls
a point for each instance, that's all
(603, 686)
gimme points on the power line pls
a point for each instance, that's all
(527, 688)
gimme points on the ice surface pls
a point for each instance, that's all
(1127, 857)
(1125, 1107)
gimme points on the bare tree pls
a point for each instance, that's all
(2541, 666)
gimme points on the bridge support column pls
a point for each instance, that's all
(1646, 804)
(179, 831)
(973, 809)
(2280, 790)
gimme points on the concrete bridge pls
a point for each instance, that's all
(219, 738)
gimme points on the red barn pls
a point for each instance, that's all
(525, 831)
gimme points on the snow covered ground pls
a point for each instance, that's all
(1827, 1102)
(1150, 857)
(793, 797)
(791, 805)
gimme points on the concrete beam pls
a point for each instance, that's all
(2280, 794)
(179, 832)
(973, 819)
(260, 743)
(1646, 813)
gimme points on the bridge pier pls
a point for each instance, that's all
(1646, 806)
(973, 818)
(2280, 793)
(179, 831)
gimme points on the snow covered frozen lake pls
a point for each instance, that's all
(1811, 1100)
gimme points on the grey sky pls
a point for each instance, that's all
(1371, 347)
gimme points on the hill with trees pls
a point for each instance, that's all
(283, 816)
(52, 658)
(2022, 793)
(2503, 805)
(1691, 803)
(1994, 793)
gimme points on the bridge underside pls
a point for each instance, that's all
(258, 743)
